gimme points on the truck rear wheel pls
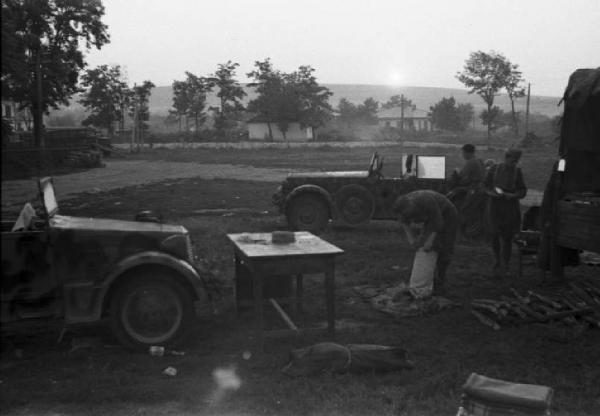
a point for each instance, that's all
(151, 310)
(308, 212)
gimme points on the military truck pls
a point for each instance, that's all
(138, 274)
(570, 211)
(310, 200)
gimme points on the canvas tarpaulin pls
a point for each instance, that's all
(580, 132)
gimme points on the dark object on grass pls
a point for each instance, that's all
(487, 396)
(148, 216)
(353, 358)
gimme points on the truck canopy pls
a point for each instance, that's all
(580, 132)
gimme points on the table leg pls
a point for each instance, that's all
(257, 282)
(330, 298)
(299, 295)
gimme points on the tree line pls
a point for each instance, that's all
(43, 56)
(282, 98)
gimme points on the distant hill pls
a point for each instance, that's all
(423, 97)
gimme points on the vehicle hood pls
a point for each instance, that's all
(349, 174)
(103, 224)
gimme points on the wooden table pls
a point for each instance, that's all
(308, 254)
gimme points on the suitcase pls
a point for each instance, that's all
(484, 396)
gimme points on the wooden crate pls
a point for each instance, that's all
(579, 224)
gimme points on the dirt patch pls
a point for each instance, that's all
(123, 173)
(38, 374)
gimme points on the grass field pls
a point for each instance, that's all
(39, 376)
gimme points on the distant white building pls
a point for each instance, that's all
(414, 119)
(259, 130)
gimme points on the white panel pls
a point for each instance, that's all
(431, 167)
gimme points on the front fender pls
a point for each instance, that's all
(84, 302)
(311, 189)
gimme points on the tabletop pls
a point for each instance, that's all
(260, 245)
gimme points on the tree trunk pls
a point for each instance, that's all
(270, 131)
(180, 116)
(196, 124)
(38, 111)
(514, 117)
(489, 125)
(38, 132)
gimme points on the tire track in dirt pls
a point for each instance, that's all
(122, 173)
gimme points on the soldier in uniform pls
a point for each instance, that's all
(440, 226)
(472, 173)
(505, 186)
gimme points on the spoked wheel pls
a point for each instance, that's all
(308, 212)
(355, 205)
(151, 311)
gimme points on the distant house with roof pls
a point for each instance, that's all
(413, 118)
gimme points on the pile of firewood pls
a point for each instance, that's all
(577, 306)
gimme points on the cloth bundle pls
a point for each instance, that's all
(353, 358)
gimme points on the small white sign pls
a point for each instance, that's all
(431, 167)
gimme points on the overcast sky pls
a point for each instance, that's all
(395, 42)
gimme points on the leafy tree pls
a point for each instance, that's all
(485, 74)
(347, 111)
(230, 92)
(447, 115)
(105, 97)
(197, 88)
(41, 55)
(139, 109)
(367, 111)
(181, 102)
(284, 98)
(314, 108)
(515, 90)
(495, 118)
(396, 101)
(465, 115)
(268, 84)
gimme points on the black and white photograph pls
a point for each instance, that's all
(318, 207)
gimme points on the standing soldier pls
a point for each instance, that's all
(440, 226)
(472, 174)
(505, 186)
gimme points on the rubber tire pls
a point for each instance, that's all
(167, 282)
(321, 213)
(354, 193)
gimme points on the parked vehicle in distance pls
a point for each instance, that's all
(139, 274)
(310, 200)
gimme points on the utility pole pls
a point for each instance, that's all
(527, 110)
(402, 113)
(135, 123)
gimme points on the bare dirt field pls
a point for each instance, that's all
(270, 164)
(39, 376)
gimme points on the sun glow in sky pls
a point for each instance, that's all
(408, 42)
(396, 78)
